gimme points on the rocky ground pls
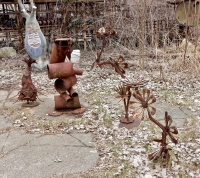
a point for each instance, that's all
(123, 152)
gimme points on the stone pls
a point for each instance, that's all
(7, 52)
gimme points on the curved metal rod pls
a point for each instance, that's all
(155, 121)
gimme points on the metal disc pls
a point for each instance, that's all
(135, 123)
(55, 113)
(30, 104)
(188, 13)
(127, 121)
(78, 111)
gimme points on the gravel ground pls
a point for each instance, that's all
(123, 152)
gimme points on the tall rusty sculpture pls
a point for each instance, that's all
(35, 46)
(65, 75)
(103, 33)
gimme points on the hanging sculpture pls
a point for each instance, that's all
(34, 42)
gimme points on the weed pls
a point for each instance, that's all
(108, 121)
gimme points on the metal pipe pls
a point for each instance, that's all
(78, 71)
(66, 97)
(60, 70)
(60, 103)
(62, 85)
(59, 52)
(72, 92)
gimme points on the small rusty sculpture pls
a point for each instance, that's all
(167, 130)
(28, 91)
(125, 93)
(145, 100)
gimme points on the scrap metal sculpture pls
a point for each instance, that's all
(125, 93)
(167, 130)
(103, 33)
(142, 105)
(145, 100)
(65, 75)
(143, 109)
(28, 91)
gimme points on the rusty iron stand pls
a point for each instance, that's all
(125, 94)
(127, 119)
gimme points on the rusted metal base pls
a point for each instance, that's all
(59, 112)
(162, 154)
(130, 125)
(55, 113)
(30, 104)
(79, 111)
(60, 103)
(127, 120)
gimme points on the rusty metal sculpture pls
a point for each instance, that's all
(28, 91)
(116, 64)
(103, 33)
(145, 100)
(142, 108)
(167, 130)
(125, 93)
(65, 76)
(143, 103)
